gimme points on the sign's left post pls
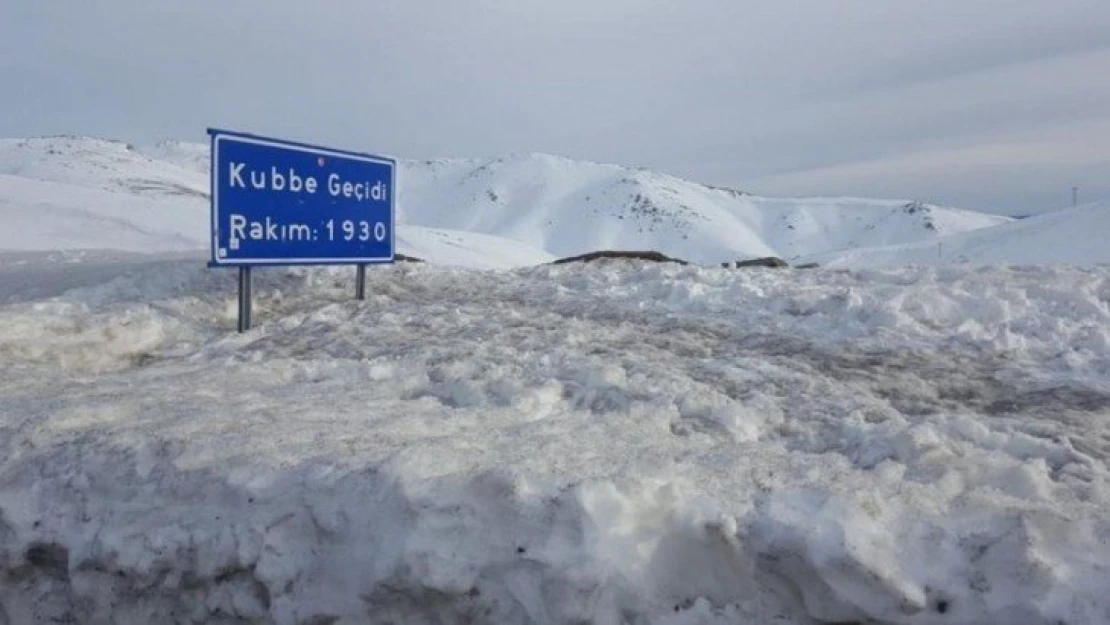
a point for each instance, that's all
(244, 298)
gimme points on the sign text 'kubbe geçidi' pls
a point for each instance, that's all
(276, 202)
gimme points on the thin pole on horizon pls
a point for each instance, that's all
(1075, 196)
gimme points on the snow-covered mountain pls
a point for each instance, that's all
(76, 193)
(569, 207)
(548, 206)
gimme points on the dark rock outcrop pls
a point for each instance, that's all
(657, 257)
(768, 261)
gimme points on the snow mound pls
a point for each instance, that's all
(616, 443)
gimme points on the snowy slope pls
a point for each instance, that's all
(41, 215)
(467, 249)
(613, 443)
(99, 164)
(190, 156)
(1069, 236)
(551, 205)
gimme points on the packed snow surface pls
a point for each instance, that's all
(608, 443)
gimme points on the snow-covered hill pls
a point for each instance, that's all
(100, 164)
(548, 206)
(1068, 236)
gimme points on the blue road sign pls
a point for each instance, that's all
(282, 203)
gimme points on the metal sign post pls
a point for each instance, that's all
(244, 298)
(278, 203)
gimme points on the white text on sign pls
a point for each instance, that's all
(243, 229)
(242, 177)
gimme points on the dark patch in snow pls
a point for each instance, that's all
(161, 187)
(727, 190)
(50, 558)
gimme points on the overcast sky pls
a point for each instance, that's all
(999, 105)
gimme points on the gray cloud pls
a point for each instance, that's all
(801, 97)
(997, 49)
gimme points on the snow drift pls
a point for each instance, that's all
(611, 443)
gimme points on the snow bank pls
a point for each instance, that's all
(614, 443)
